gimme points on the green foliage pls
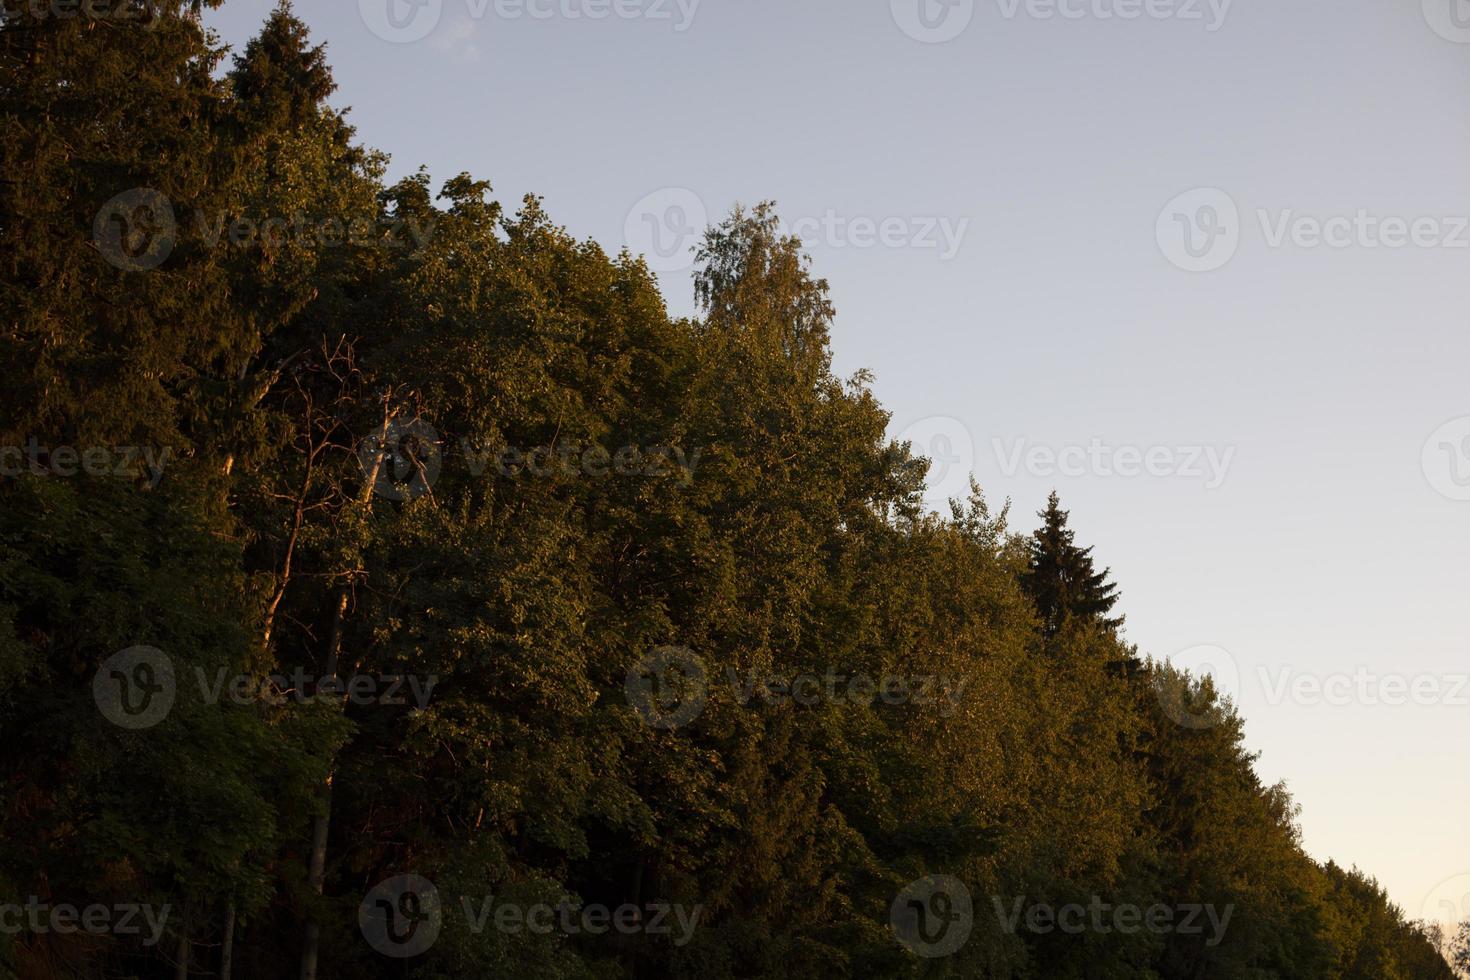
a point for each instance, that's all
(337, 496)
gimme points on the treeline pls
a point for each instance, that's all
(390, 586)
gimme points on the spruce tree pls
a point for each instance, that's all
(1061, 580)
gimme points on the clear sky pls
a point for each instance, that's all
(1222, 246)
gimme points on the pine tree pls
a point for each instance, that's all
(1061, 579)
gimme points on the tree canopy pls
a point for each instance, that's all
(390, 586)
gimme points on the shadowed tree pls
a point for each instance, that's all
(1061, 580)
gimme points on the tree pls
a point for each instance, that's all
(1459, 951)
(1061, 580)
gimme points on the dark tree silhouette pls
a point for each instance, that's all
(1061, 580)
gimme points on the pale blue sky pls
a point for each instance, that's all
(1049, 147)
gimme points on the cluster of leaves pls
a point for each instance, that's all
(281, 373)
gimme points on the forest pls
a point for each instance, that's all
(390, 586)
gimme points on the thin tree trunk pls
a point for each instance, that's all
(316, 875)
(227, 947)
(321, 826)
(297, 520)
(181, 955)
